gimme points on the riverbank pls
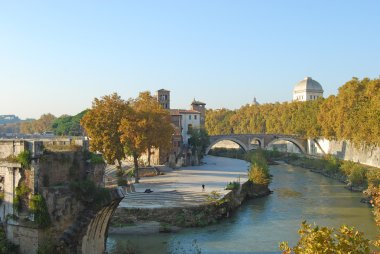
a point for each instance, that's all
(178, 200)
(258, 225)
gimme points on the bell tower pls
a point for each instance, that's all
(163, 97)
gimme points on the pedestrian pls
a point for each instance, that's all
(203, 187)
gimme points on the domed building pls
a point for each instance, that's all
(307, 90)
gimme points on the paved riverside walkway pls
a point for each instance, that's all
(183, 187)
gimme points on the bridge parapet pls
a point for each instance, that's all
(245, 141)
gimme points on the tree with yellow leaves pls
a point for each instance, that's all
(147, 126)
(324, 240)
(102, 123)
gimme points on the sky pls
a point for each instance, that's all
(57, 56)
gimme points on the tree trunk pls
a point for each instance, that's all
(149, 155)
(136, 163)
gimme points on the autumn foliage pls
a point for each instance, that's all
(354, 115)
(119, 128)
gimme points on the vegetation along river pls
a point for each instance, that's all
(259, 225)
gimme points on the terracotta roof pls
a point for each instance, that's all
(188, 111)
(176, 112)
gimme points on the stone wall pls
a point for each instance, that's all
(11, 148)
(60, 167)
(191, 216)
(347, 151)
(26, 237)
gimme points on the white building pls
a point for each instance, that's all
(189, 119)
(307, 90)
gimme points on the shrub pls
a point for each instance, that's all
(347, 167)
(258, 175)
(332, 164)
(373, 178)
(96, 159)
(22, 192)
(38, 207)
(24, 158)
(327, 240)
(233, 186)
(358, 175)
(214, 196)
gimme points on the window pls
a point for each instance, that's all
(195, 117)
(189, 127)
(189, 117)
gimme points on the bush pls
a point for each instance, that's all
(24, 158)
(22, 192)
(358, 176)
(327, 240)
(332, 164)
(38, 207)
(233, 186)
(258, 175)
(347, 167)
(96, 159)
(373, 178)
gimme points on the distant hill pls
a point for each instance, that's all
(5, 119)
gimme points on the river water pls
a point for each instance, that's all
(260, 224)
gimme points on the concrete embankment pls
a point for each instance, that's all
(178, 200)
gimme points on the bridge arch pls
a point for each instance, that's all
(295, 142)
(255, 143)
(88, 233)
(235, 140)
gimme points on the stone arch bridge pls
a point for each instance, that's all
(252, 141)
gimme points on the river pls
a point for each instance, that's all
(259, 225)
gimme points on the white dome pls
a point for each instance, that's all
(309, 85)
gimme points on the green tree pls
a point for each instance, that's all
(69, 125)
(199, 141)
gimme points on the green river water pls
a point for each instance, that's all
(259, 225)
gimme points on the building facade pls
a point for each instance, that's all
(183, 121)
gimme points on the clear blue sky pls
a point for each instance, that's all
(56, 56)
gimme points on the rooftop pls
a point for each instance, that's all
(308, 84)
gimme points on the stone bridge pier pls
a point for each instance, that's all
(89, 231)
(252, 141)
